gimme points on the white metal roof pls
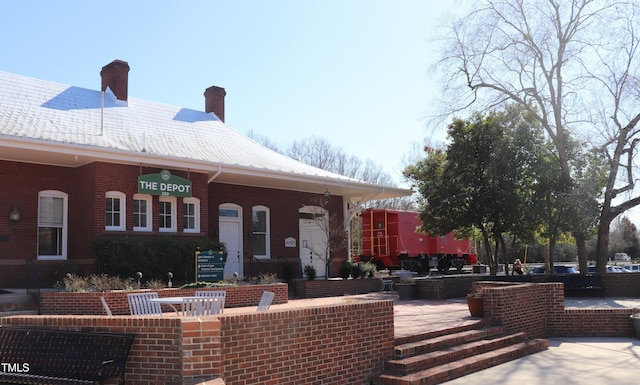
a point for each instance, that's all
(51, 123)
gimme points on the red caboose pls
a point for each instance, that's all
(389, 239)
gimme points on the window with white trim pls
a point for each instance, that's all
(191, 215)
(142, 212)
(260, 236)
(167, 214)
(52, 225)
(114, 211)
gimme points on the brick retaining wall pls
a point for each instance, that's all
(538, 309)
(89, 302)
(286, 347)
(318, 288)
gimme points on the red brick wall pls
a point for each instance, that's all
(86, 186)
(89, 303)
(298, 346)
(335, 288)
(307, 346)
(283, 206)
(166, 350)
(538, 309)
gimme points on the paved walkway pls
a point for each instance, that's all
(568, 361)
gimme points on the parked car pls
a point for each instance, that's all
(635, 268)
(621, 257)
(557, 269)
(609, 269)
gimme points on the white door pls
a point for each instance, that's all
(313, 239)
(230, 233)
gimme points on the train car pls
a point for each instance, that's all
(390, 240)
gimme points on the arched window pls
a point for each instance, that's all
(142, 212)
(167, 213)
(191, 215)
(114, 213)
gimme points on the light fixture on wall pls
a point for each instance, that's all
(327, 194)
(14, 216)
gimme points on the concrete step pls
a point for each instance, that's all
(448, 354)
(458, 368)
(439, 357)
(445, 340)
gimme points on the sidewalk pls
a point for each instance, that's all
(568, 361)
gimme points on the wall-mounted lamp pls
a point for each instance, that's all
(327, 194)
(14, 217)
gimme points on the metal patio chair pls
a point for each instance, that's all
(221, 295)
(139, 304)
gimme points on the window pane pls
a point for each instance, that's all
(165, 215)
(228, 213)
(259, 244)
(139, 213)
(112, 212)
(260, 221)
(189, 216)
(49, 241)
(51, 211)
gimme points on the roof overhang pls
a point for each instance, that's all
(71, 155)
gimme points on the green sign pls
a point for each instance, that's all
(210, 266)
(164, 184)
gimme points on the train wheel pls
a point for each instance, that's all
(443, 265)
(410, 264)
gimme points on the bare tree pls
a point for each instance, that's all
(573, 65)
(319, 152)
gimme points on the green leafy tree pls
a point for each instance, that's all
(484, 180)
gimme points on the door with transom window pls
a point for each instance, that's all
(313, 222)
(230, 233)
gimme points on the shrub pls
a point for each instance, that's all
(154, 284)
(268, 278)
(123, 256)
(345, 269)
(100, 282)
(310, 272)
(357, 271)
(369, 270)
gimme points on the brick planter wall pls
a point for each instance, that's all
(287, 347)
(89, 303)
(308, 346)
(336, 287)
(538, 309)
(166, 350)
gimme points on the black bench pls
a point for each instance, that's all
(576, 283)
(47, 356)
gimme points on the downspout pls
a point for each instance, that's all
(214, 176)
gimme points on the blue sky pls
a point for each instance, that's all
(353, 72)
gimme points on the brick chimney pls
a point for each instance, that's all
(115, 75)
(214, 101)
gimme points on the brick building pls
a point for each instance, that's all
(77, 163)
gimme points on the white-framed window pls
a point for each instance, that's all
(114, 212)
(167, 214)
(142, 212)
(52, 225)
(191, 215)
(260, 234)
